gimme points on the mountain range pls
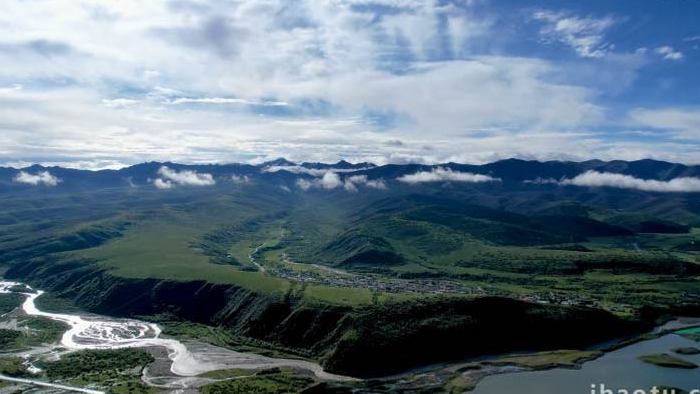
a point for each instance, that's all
(508, 171)
(368, 269)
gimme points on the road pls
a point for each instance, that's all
(50, 385)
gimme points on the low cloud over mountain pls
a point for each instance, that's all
(332, 180)
(42, 178)
(607, 179)
(168, 178)
(441, 174)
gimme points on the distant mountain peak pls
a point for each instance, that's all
(342, 164)
(347, 164)
(281, 162)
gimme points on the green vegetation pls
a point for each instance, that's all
(8, 338)
(566, 358)
(209, 237)
(220, 336)
(10, 301)
(667, 361)
(272, 382)
(392, 336)
(459, 384)
(689, 331)
(12, 366)
(95, 361)
(33, 331)
(117, 370)
(41, 330)
(163, 251)
(688, 351)
(351, 277)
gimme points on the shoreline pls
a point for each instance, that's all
(578, 364)
(473, 370)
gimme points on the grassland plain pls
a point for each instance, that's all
(667, 361)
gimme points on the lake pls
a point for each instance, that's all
(619, 369)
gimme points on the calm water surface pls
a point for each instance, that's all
(617, 370)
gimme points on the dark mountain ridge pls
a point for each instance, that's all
(508, 171)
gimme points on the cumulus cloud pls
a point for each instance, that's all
(41, 178)
(607, 179)
(352, 182)
(441, 174)
(162, 184)
(169, 177)
(304, 184)
(267, 58)
(194, 81)
(585, 35)
(331, 180)
(668, 53)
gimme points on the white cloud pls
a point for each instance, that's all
(350, 187)
(168, 178)
(682, 122)
(376, 184)
(586, 35)
(238, 179)
(668, 53)
(41, 178)
(329, 62)
(352, 182)
(162, 184)
(441, 174)
(121, 74)
(303, 184)
(331, 180)
(607, 179)
(120, 102)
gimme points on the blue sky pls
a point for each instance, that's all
(97, 85)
